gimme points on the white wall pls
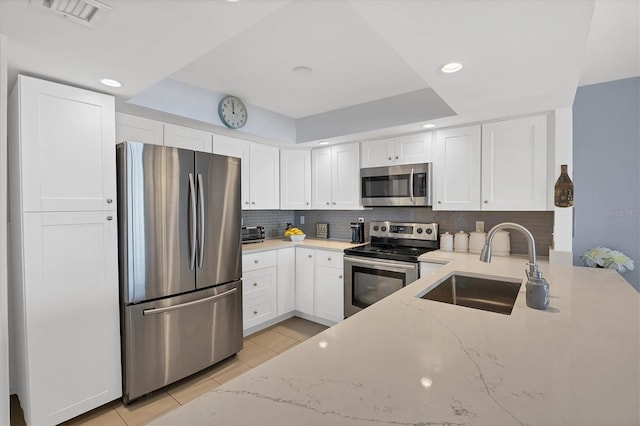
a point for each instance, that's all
(4, 327)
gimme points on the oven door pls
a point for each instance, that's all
(368, 280)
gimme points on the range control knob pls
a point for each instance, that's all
(419, 231)
(429, 231)
(384, 229)
(375, 228)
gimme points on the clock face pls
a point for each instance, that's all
(232, 112)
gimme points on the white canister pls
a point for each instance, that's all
(461, 242)
(446, 242)
(477, 241)
(501, 244)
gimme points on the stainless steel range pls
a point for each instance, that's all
(375, 270)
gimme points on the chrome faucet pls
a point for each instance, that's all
(537, 287)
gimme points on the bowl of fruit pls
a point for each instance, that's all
(295, 234)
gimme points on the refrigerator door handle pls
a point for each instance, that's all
(201, 220)
(155, 311)
(192, 222)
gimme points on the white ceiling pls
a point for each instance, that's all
(520, 56)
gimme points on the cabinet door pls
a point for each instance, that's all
(72, 314)
(187, 138)
(304, 280)
(321, 179)
(295, 179)
(264, 177)
(377, 153)
(137, 129)
(413, 149)
(67, 147)
(345, 177)
(457, 169)
(286, 280)
(329, 293)
(514, 164)
(234, 147)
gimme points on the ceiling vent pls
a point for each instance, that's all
(85, 12)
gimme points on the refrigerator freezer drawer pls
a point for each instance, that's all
(169, 339)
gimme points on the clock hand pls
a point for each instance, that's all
(233, 107)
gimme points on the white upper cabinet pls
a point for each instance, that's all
(132, 128)
(187, 138)
(264, 177)
(336, 177)
(295, 179)
(67, 149)
(514, 164)
(234, 147)
(457, 169)
(260, 171)
(499, 166)
(408, 149)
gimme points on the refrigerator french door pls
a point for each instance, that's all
(180, 263)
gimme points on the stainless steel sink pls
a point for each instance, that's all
(493, 294)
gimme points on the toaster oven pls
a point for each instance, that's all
(252, 234)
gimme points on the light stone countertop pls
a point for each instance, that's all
(409, 361)
(308, 242)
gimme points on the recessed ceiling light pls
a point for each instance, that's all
(323, 143)
(302, 71)
(428, 125)
(110, 82)
(452, 67)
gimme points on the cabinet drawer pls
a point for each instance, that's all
(332, 259)
(258, 310)
(263, 259)
(259, 282)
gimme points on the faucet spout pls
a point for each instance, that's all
(537, 287)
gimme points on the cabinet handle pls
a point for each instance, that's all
(255, 284)
(327, 203)
(329, 259)
(109, 217)
(253, 202)
(439, 202)
(307, 203)
(340, 276)
(334, 203)
(396, 157)
(309, 256)
(486, 202)
(246, 202)
(109, 201)
(255, 261)
(255, 312)
(390, 158)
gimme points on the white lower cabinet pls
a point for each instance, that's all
(305, 261)
(259, 288)
(286, 280)
(329, 286)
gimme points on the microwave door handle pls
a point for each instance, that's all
(192, 222)
(201, 220)
(411, 187)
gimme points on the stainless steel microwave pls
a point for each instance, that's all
(406, 185)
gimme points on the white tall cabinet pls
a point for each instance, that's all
(63, 244)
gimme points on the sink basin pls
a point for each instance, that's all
(493, 294)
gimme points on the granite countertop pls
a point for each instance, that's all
(308, 242)
(408, 361)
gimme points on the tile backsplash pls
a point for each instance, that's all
(539, 223)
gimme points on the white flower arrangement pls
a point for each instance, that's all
(604, 257)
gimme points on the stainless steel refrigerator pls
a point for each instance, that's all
(180, 263)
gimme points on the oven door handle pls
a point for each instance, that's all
(382, 263)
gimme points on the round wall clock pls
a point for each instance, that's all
(232, 112)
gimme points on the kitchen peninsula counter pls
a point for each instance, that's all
(406, 360)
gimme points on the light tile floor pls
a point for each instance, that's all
(257, 349)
